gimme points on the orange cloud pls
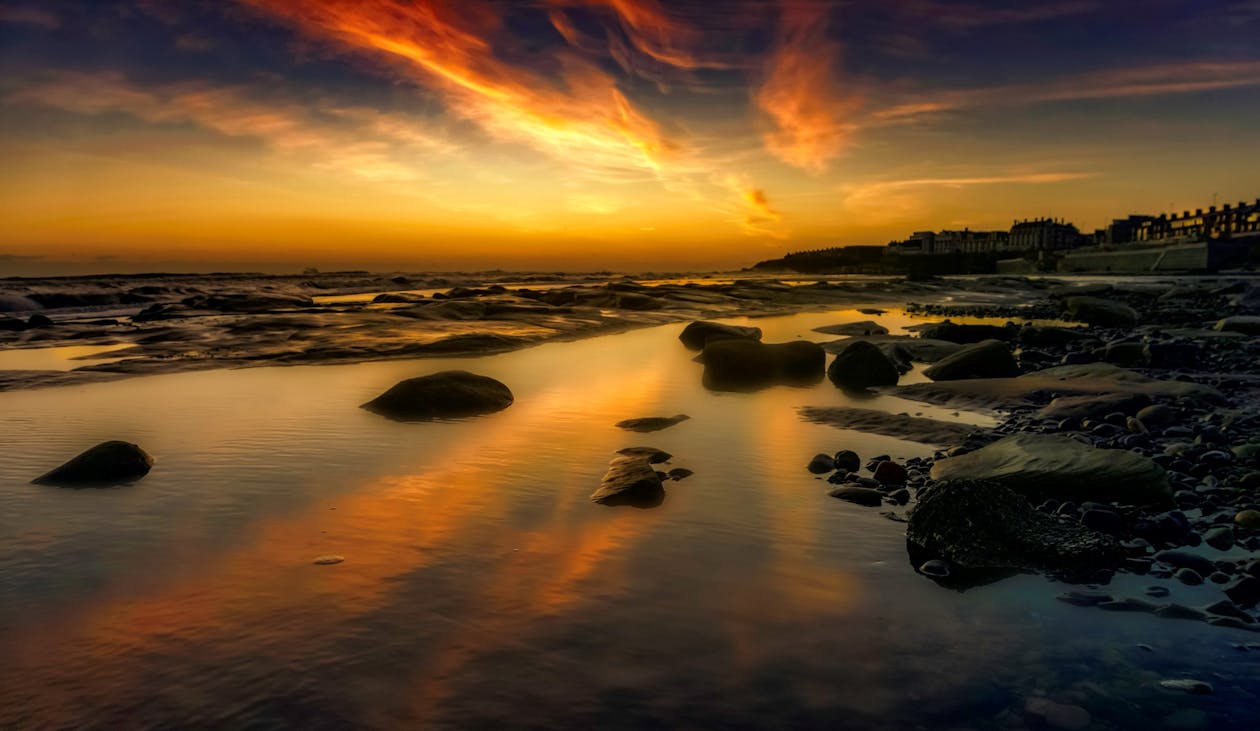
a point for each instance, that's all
(757, 217)
(571, 109)
(800, 95)
(651, 31)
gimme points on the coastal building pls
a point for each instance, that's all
(1044, 234)
(1227, 222)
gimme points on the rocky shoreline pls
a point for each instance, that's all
(1128, 445)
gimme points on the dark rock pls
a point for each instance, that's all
(652, 423)
(1050, 466)
(630, 481)
(860, 495)
(1129, 604)
(108, 463)
(443, 395)
(935, 568)
(1245, 324)
(1124, 354)
(1181, 611)
(986, 359)
(11, 324)
(742, 364)
(1084, 598)
(866, 327)
(1244, 591)
(38, 320)
(967, 334)
(1103, 521)
(651, 454)
(679, 473)
(890, 473)
(1187, 685)
(1226, 608)
(984, 525)
(821, 464)
(697, 334)
(1101, 312)
(1050, 337)
(847, 459)
(862, 365)
(1156, 591)
(1186, 560)
(1093, 406)
(1188, 576)
(1221, 537)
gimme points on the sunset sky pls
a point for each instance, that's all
(586, 134)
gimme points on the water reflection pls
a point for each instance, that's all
(481, 588)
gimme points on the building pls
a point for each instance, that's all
(1044, 234)
(965, 241)
(1124, 230)
(1241, 221)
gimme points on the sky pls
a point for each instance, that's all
(275, 135)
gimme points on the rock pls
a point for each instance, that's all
(1187, 685)
(1156, 591)
(1245, 324)
(966, 334)
(1249, 519)
(1157, 416)
(1244, 591)
(1124, 354)
(1226, 608)
(861, 495)
(890, 473)
(936, 568)
(1050, 466)
(1087, 407)
(742, 364)
(1103, 521)
(862, 365)
(11, 324)
(652, 423)
(1084, 598)
(697, 334)
(630, 481)
(1190, 577)
(651, 454)
(443, 395)
(1101, 312)
(847, 460)
(821, 464)
(38, 320)
(1186, 560)
(986, 359)
(1058, 715)
(679, 473)
(108, 463)
(1050, 337)
(1221, 537)
(865, 327)
(1181, 611)
(984, 525)
(328, 560)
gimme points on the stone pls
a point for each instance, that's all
(1101, 312)
(1189, 577)
(1244, 591)
(630, 481)
(1227, 608)
(821, 464)
(1058, 715)
(39, 320)
(695, 335)
(861, 495)
(986, 359)
(1249, 519)
(984, 525)
(1124, 354)
(1103, 521)
(651, 454)
(1221, 537)
(936, 568)
(651, 423)
(1245, 324)
(744, 364)
(1188, 685)
(862, 365)
(865, 327)
(1050, 337)
(890, 473)
(966, 334)
(443, 395)
(1040, 467)
(106, 464)
(328, 560)
(848, 460)
(1093, 406)
(1186, 560)
(679, 473)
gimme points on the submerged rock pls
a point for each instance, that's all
(652, 423)
(862, 365)
(865, 327)
(737, 365)
(1101, 312)
(986, 359)
(1048, 466)
(867, 496)
(108, 463)
(444, 395)
(697, 334)
(966, 334)
(651, 454)
(983, 525)
(630, 481)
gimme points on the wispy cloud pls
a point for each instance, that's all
(753, 211)
(810, 113)
(358, 141)
(29, 16)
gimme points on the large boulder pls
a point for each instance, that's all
(630, 480)
(1101, 312)
(987, 359)
(699, 333)
(444, 395)
(982, 525)
(108, 463)
(862, 365)
(966, 334)
(742, 364)
(1041, 467)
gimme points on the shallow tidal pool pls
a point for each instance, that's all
(480, 587)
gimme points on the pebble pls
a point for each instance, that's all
(328, 560)
(936, 567)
